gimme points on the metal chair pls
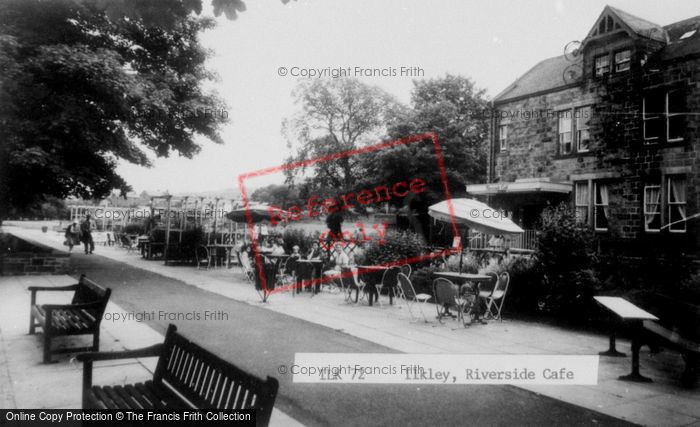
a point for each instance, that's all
(203, 257)
(494, 302)
(246, 266)
(406, 269)
(446, 296)
(351, 283)
(409, 295)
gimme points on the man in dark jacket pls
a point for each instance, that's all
(86, 234)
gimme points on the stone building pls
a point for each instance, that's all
(612, 127)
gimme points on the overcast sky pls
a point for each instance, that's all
(491, 41)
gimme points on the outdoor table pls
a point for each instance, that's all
(374, 271)
(316, 266)
(216, 247)
(627, 312)
(467, 277)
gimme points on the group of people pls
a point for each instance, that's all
(77, 233)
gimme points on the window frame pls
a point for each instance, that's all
(577, 130)
(565, 114)
(596, 68)
(664, 116)
(595, 185)
(587, 184)
(670, 204)
(627, 61)
(659, 213)
(503, 137)
(668, 115)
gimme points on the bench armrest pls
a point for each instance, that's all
(88, 358)
(151, 351)
(81, 306)
(53, 288)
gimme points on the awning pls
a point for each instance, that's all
(475, 214)
(521, 186)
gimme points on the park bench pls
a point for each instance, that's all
(677, 329)
(81, 317)
(186, 377)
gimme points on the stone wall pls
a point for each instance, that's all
(25, 263)
(618, 154)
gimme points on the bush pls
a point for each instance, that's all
(134, 229)
(298, 237)
(422, 279)
(566, 259)
(397, 246)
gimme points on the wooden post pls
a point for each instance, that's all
(167, 230)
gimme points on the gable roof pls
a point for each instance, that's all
(640, 26)
(546, 75)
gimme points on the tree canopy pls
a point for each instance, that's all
(88, 82)
(336, 115)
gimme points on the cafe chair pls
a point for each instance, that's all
(202, 256)
(446, 297)
(351, 283)
(411, 298)
(246, 266)
(406, 269)
(494, 302)
(389, 281)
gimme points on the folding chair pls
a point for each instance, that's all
(409, 295)
(351, 283)
(246, 266)
(446, 296)
(494, 302)
(406, 269)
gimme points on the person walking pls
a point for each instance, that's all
(72, 235)
(86, 234)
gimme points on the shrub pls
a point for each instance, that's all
(566, 259)
(397, 246)
(422, 279)
(134, 229)
(298, 237)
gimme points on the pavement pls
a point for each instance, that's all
(325, 323)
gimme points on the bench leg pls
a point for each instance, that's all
(47, 348)
(96, 341)
(32, 325)
(612, 351)
(692, 368)
(635, 376)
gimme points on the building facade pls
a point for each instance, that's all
(611, 127)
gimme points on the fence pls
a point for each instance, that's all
(525, 240)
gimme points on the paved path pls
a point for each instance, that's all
(260, 340)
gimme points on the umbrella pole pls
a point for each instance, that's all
(461, 250)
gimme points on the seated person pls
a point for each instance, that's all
(295, 252)
(338, 259)
(277, 248)
(314, 252)
(497, 242)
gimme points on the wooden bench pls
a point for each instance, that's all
(678, 329)
(186, 377)
(81, 317)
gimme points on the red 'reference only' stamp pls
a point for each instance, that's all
(315, 206)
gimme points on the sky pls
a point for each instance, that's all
(493, 42)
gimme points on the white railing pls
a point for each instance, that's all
(525, 240)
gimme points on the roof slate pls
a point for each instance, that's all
(548, 74)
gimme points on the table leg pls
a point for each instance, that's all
(635, 376)
(612, 351)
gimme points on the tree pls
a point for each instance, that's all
(336, 115)
(451, 107)
(88, 82)
(276, 194)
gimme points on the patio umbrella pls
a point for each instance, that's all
(258, 212)
(474, 214)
